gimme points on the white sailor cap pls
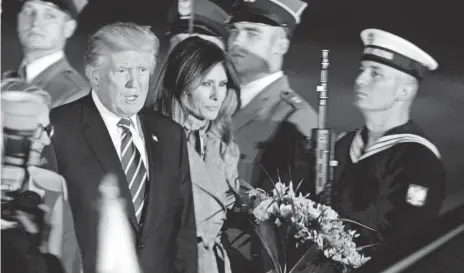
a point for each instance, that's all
(394, 51)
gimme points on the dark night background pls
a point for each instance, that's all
(435, 26)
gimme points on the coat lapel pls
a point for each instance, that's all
(100, 142)
(154, 155)
(264, 100)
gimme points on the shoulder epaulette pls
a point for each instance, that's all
(75, 78)
(293, 99)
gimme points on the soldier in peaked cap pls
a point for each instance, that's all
(208, 21)
(273, 121)
(390, 176)
(43, 28)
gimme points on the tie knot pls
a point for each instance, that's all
(125, 123)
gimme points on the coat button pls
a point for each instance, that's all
(242, 156)
(140, 246)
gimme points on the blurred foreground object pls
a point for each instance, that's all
(116, 252)
(19, 123)
(22, 220)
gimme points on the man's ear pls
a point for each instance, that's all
(407, 91)
(70, 26)
(281, 46)
(93, 75)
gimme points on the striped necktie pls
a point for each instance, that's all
(134, 168)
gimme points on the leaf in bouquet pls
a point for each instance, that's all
(302, 260)
(238, 196)
(270, 204)
(266, 240)
(367, 246)
(354, 222)
(268, 175)
(246, 184)
(299, 185)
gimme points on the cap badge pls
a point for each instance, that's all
(370, 38)
(185, 7)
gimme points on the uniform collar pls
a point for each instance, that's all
(409, 127)
(252, 89)
(34, 68)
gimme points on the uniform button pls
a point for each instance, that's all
(140, 246)
(242, 156)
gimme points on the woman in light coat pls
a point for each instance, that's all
(198, 90)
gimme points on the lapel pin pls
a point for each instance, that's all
(155, 138)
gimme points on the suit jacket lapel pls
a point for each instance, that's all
(51, 71)
(100, 142)
(264, 99)
(154, 155)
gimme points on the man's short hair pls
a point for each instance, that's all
(119, 37)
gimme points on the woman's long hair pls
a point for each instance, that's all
(186, 67)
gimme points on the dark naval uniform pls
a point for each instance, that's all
(395, 186)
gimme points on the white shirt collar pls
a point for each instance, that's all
(110, 119)
(36, 67)
(250, 90)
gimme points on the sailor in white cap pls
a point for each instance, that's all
(390, 176)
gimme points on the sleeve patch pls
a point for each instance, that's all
(416, 195)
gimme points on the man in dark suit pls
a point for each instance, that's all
(274, 123)
(107, 132)
(43, 28)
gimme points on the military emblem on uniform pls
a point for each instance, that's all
(185, 7)
(370, 37)
(416, 195)
(251, 1)
(295, 99)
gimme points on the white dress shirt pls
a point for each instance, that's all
(111, 122)
(36, 67)
(250, 90)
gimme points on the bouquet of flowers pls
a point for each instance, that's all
(310, 222)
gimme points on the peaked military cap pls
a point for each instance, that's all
(72, 7)
(284, 13)
(208, 18)
(386, 48)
